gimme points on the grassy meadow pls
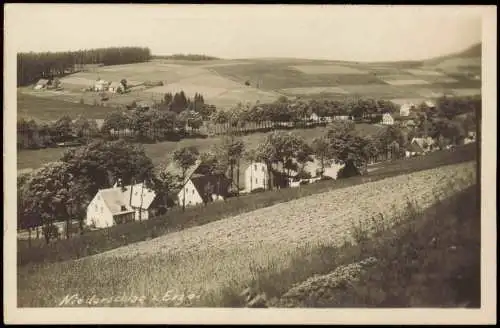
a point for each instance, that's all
(161, 152)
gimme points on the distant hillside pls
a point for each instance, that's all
(194, 57)
(471, 52)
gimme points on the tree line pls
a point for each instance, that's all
(32, 66)
(177, 116)
(61, 191)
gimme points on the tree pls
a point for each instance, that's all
(230, 151)
(63, 128)
(125, 85)
(321, 148)
(116, 121)
(352, 150)
(49, 192)
(213, 164)
(185, 158)
(165, 186)
(192, 119)
(103, 163)
(28, 217)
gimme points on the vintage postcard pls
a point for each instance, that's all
(249, 164)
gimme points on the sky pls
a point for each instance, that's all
(336, 32)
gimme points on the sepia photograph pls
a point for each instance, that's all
(249, 163)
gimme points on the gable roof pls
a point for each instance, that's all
(190, 171)
(116, 197)
(416, 147)
(148, 195)
(114, 200)
(201, 181)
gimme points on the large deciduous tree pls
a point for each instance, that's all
(105, 162)
(185, 158)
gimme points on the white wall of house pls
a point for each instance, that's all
(256, 176)
(405, 109)
(332, 170)
(192, 195)
(98, 213)
(387, 119)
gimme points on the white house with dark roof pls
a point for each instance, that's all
(120, 205)
(116, 87)
(198, 188)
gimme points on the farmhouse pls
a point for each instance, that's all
(387, 119)
(101, 85)
(41, 84)
(119, 204)
(405, 109)
(415, 149)
(314, 117)
(256, 176)
(342, 118)
(144, 104)
(430, 104)
(116, 87)
(199, 188)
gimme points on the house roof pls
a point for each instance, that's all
(114, 84)
(116, 197)
(416, 147)
(114, 200)
(201, 181)
(148, 195)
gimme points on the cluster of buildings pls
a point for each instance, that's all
(122, 204)
(113, 87)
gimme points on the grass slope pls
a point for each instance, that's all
(48, 109)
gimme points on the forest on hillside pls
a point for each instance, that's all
(32, 66)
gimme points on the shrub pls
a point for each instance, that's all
(257, 190)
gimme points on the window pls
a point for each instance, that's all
(255, 167)
(262, 168)
(256, 180)
(96, 207)
(136, 193)
(192, 191)
(102, 209)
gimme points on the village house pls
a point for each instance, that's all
(41, 84)
(430, 104)
(101, 85)
(471, 137)
(387, 119)
(342, 118)
(406, 109)
(314, 117)
(199, 188)
(256, 176)
(119, 204)
(414, 150)
(116, 87)
(421, 146)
